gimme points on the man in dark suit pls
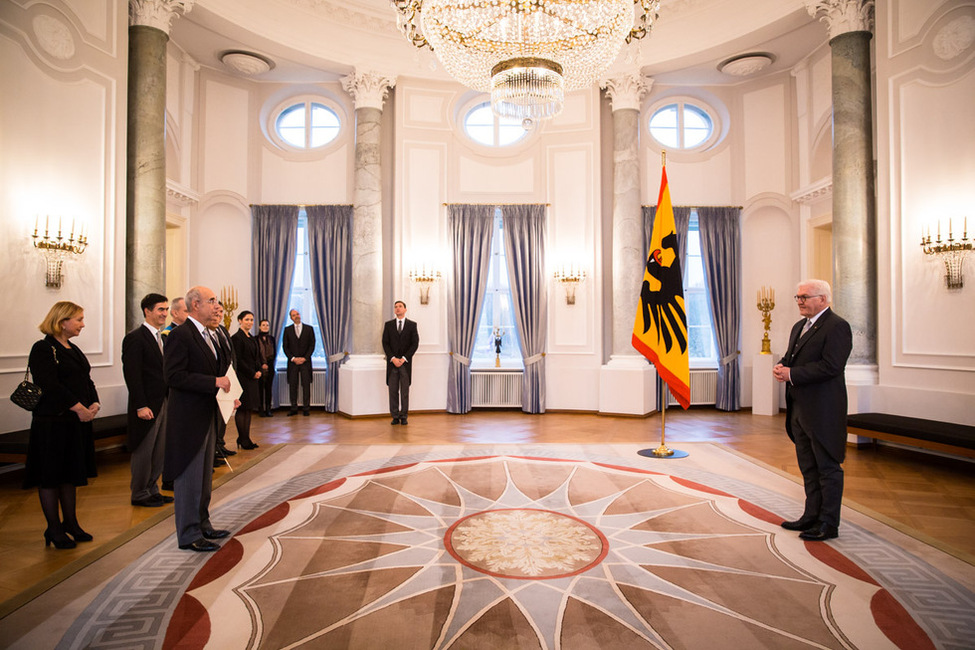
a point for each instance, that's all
(298, 343)
(400, 341)
(142, 368)
(195, 370)
(816, 404)
(222, 337)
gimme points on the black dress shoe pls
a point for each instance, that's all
(149, 502)
(166, 499)
(804, 523)
(215, 533)
(226, 452)
(820, 533)
(60, 540)
(402, 420)
(78, 535)
(200, 546)
(290, 413)
(395, 421)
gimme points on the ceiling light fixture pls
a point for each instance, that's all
(744, 65)
(526, 53)
(246, 63)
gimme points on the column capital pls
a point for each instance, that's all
(157, 13)
(368, 88)
(843, 16)
(626, 90)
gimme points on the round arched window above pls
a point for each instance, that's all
(484, 127)
(683, 125)
(307, 125)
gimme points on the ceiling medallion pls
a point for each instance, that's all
(744, 65)
(526, 53)
(246, 63)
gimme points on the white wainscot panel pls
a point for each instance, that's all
(225, 138)
(570, 385)
(223, 232)
(503, 177)
(765, 141)
(768, 259)
(427, 109)
(323, 181)
(428, 392)
(936, 322)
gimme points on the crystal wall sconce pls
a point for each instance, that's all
(424, 277)
(951, 252)
(570, 276)
(58, 248)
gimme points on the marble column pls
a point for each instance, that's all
(850, 25)
(626, 382)
(145, 207)
(365, 368)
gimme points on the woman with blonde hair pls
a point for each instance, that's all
(61, 451)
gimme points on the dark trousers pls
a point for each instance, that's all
(302, 377)
(399, 393)
(822, 477)
(266, 388)
(192, 490)
(147, 459)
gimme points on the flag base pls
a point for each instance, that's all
(663, 452)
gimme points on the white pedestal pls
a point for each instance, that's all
(362, 386)
(626, 386)
(765, 389)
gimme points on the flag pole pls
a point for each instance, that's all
(663, 451)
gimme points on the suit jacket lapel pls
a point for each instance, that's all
(208, 353)
(822, 320)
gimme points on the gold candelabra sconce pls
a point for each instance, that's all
(424, 277)
(766, 303)
(570, 276)
(58, 248)
(228, 297)
(951, 252)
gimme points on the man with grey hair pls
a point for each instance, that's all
(177, 311)
(195, 370)
(816, 403)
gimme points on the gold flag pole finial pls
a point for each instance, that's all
(663, 158)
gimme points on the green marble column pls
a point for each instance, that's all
(145, 218)
(854, 213)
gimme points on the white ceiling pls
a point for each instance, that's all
(322, 40)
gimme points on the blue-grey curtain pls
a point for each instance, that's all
(524, 246)
(330, 255)
(720, 231)
(471, 228)
(275, 240)
(682, 220)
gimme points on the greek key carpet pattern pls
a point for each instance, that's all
(543, 546)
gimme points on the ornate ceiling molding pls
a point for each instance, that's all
(180, 195)
(814, 192)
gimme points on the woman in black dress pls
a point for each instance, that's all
(248, 368)
(61, 451)
(267, 352)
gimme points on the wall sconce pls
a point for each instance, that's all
(951, 252)
(57, 248)
(570, 276)
(424, 277)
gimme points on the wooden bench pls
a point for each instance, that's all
(108, 431)
(945, 437)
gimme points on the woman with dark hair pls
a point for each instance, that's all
(267, 352)
(248, 368)
(61, 450)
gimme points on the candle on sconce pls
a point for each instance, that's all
(47, 219)
(36, 218)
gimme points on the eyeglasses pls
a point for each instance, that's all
(803, 298)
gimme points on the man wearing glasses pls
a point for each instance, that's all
(816, 403)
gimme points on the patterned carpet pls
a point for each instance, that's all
(541, 546)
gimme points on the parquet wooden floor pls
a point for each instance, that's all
(933, 497)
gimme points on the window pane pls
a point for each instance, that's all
(484, 127)
(702, 348)
(482, 134)
(291, 125)
(302, 299)
(497, 314)
(324, 125)
(697, 126)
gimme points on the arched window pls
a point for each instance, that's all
(307, 125)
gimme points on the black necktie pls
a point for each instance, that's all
(399, 326)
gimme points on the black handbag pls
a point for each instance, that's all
(27, 394)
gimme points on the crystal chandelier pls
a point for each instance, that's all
(526, 53)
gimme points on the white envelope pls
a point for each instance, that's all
(225, 400)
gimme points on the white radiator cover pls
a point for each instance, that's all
(496, 389)
(317, 388)
(704, 388)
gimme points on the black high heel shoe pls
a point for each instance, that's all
(247, 444)
(61, 542)
(79, 535)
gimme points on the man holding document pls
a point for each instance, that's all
(196, 372)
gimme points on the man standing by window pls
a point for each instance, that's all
(298, 344)
(400, 341)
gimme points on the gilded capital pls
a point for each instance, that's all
(368, 89)
(157, 13)
(843, 16)
(627, 90)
